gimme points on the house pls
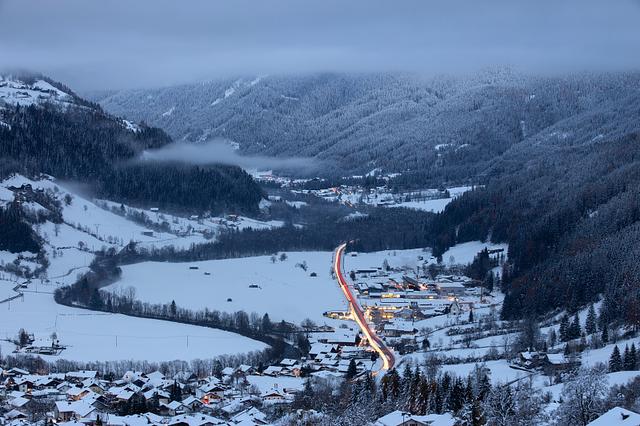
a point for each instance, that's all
(553, 363)
(398, 329)
(273, 396)
(287, 362)
(617, 416)
(173, 408)
(321, 348)
(399, 418)
(78, 376)
(273, 371)
(450, 288)
(210, 393)
(65, 411)
(455, 308)
(19, 403)
(250, 416)
(192, 403)
(530, 359)
(15, 415)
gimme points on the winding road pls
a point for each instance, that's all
(386, 354)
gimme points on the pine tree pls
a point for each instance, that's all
(471, 315)
(564, 328)
(605, 334)
(633, 357)
(424, 397)
(176, 392)
(456, 398)
(629, 359)
(615, 362)
(574, 328)
(351, 370)
(267, 326)
(591, 325)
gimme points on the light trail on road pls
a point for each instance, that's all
(386, 354)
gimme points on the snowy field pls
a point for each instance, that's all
(459, 254)
(434, 206)
(285, 291)
(94, 336)
(96, 228)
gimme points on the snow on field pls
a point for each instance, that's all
(465, 252)
(434, 206)
(189, 227)
(593, 356)
(459, 254)
(100, 336)
(106, 228)
(15, 92)
(7, 289)
(284, 290)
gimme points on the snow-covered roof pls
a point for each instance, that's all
(397, 418)
(557, 359)
(617, 416)
(80, 408)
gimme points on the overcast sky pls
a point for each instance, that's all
(135, 43)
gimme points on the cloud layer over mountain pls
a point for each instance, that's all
(124, 44)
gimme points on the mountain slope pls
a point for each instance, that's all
(48, 129)
(568, 203)
(446, 128)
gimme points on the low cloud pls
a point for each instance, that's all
(221, 151)
(127, 44)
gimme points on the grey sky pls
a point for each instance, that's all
(135, 43)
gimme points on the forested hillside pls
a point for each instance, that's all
(441, 128)
(568, 203)
(57, 133)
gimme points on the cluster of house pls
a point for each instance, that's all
(84, 398)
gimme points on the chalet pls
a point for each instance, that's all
(553, 363)
(273, 396)
(20, 403)
(76, 393)
(78, 376)
(173, 408)
(24, 384)
(245, 369)
(399, 329)
(15, 415)
(530, 359)
(79, 410)
(322, 348)
(227, 371)
(454, 308)
(399, 418)
(273, 371)
(250, 416)
(192, 403)
(13, 372)
(409, 282)
(209, 393)
(450, 288)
